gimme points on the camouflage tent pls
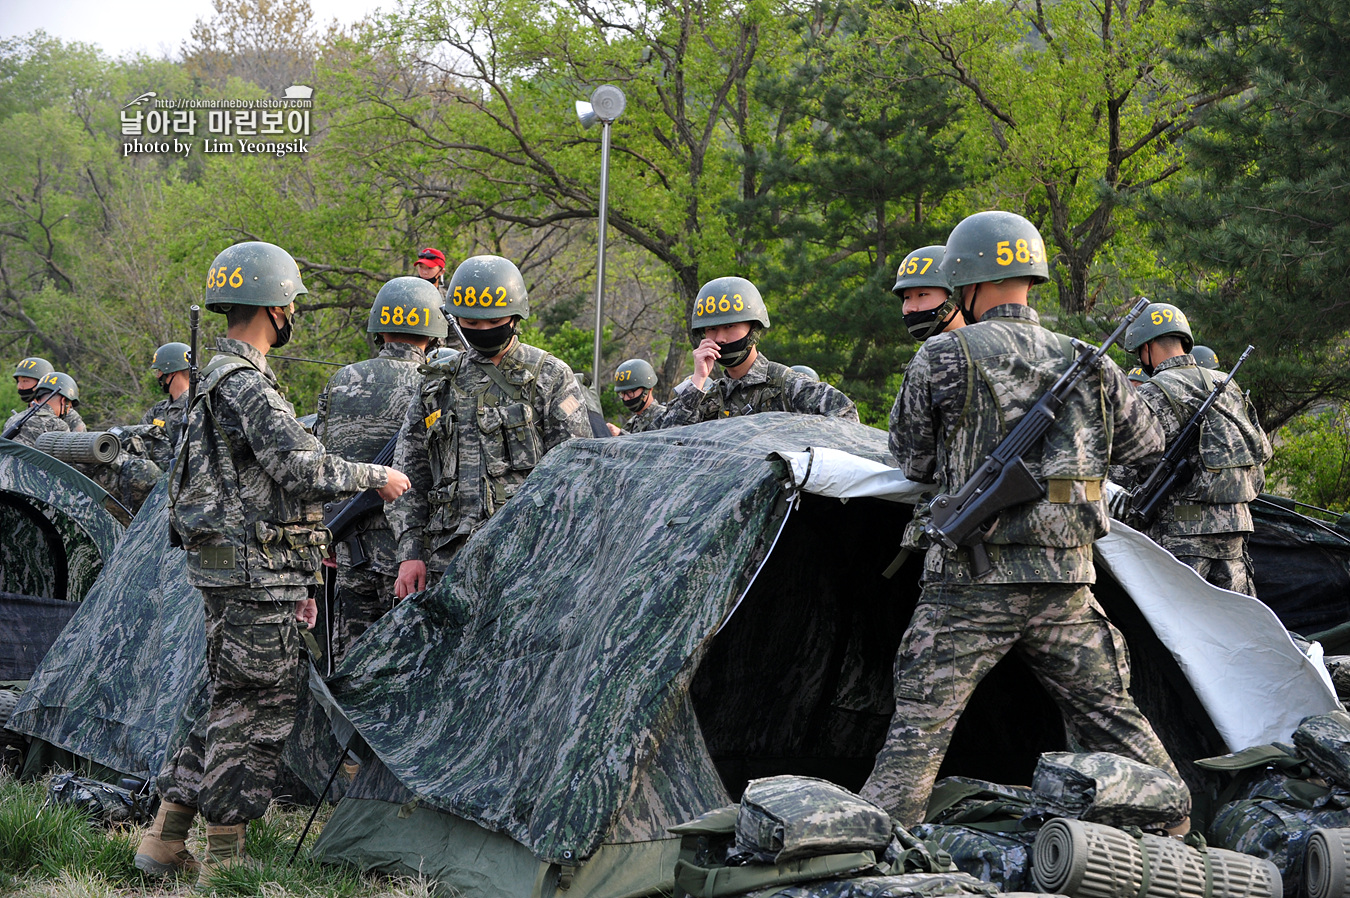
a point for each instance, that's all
(657, 619)
(126, 676)
(58, 532)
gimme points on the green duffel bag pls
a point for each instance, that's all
(783, 818)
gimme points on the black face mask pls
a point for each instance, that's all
(163, 381)
(733, 354)
(492, 340)
(283, 333)
(922, 325)
(635, 404)
(28, 394)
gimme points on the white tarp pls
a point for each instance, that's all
(1253, 680)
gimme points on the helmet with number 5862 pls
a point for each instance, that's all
(992, 246)
(726, 301)
(408, 305)
(252, 274)
(487, 287)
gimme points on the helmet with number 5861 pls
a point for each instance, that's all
(408, 305)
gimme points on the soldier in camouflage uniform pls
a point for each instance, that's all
(359, 411)
(26, 376)
(729, 318)
(479, 426)
(1206, 522)
(54, 395)
(962, 392)
(634, 381)
(245, 504)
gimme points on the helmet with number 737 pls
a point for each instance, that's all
(408, 305)
(994, 246)
(728, 300)
(487, 287)
(252, 274)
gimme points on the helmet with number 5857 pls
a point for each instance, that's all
(487, 287)
(252, 274)
(726, 301)
(992, 246)
(408, 305)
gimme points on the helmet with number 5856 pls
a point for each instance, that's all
(726, 301)
(252, 274)
(992, 246)
(408, 305)
(487, 287)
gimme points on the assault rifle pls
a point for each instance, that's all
(194, 335)
(342, 518)
(38, 402)
(1175, 470)
(1003, 480)
(194, 326)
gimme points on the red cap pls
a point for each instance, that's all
(431, 256)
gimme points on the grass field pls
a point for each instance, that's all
(54, 852)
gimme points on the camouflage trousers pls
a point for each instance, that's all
(1221, 558)
(362, 597)
(231, 757)
(958, 634)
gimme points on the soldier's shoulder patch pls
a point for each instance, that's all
(431, 419)
(158, 422)
(569, 405)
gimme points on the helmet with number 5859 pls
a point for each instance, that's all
(726, 301)
(992, 246)
(487, 287)
(408, 305)
(252, 274)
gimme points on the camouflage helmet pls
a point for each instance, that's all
(487, 287)
(33, 367)
(408, 305)
(171, 357)
(252, 274)
(1205, 357)
(634, 374)
(442, 357)
(728, 300)
(1160, 319)
(63, 384)
(922, 268)
(992, 246)
(807, 371)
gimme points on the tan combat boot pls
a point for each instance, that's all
(163, 850)
(224, 846)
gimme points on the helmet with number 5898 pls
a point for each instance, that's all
(408, 305)
(252, 274)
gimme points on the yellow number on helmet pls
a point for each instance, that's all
(413, 318)
(384, 315)
(1023, 252)
(397, 317)
(470, 296)
(927, 262)
(739, 304)
(1003, 254)
(237, 278)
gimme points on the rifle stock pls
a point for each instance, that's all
(1174, 470)
(38, 402)
(1003, 480)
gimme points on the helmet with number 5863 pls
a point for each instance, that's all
(252, 274)
(487, 287)
(726, 301)
(408, 305)
(992, 246)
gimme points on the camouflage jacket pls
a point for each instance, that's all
(962, 393)
(44, 420)
(74, 422)
(246, 492)
(766, 387)
(468, 443)
(1229, 461)
(163, 425)
(361, 409)
(647, 419)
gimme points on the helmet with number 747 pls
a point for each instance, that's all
(408, 305)
(728, 300)
(994, 246)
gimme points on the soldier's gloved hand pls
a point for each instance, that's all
(307, 612)
(1119, 504)
(412, 577)
(396, 486)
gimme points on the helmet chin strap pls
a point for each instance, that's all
(969, 313)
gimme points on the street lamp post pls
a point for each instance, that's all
(606, 105)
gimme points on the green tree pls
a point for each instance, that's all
(1259, 227)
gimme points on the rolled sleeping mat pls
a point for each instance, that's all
(1092, 860)
(1326, 866)
(97, 447)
